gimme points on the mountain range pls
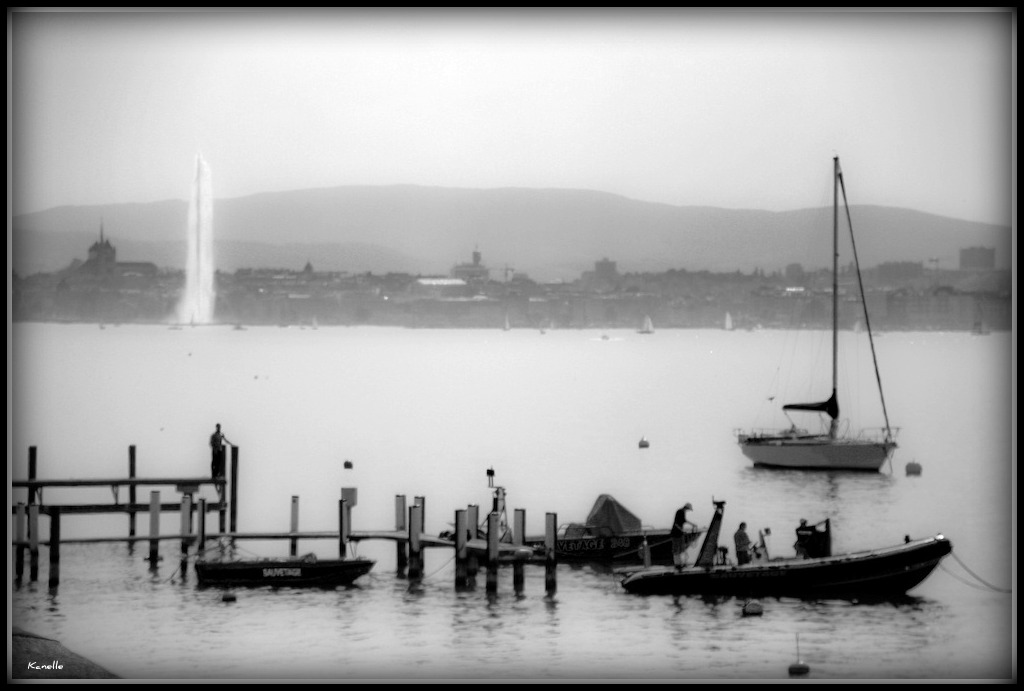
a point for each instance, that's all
(549, 234)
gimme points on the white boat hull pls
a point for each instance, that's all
(816, 453)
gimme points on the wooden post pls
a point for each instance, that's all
(233, 508)
(550, 562)
(201, 546)
(415, 553)
(33, 542)
(401, 546)
(154, 528)
(473, 521)
(492, 553)
(54, 547)
(461, 551)
(422, 503)
(342, 528)
(293, 543)
(645, 549)
(32, 476)
(19, 535)
(350, 497)
(518, 530)
(186, 530)
(131, 495)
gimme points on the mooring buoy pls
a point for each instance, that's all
(913, 468)
(798, 668)
(753, 608)
(228, 597)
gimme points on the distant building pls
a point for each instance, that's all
(978, 259)
(475, 272)
(102, 263)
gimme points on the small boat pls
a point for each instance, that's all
(828, 448)
(644, 443)
(612, 534)
(296, 572)
(871, 575)
(648, 326)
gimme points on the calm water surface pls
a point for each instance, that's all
(558, 417)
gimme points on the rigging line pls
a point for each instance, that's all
(965, 581)
(979, 578)
(440, 568)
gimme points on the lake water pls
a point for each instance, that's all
(557, 415)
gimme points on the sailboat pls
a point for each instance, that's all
(648, 325)
(728, 321)
(828, 449)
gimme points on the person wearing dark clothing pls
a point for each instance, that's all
(679, 541)
(217, 452)
(804, 538)
(742, 545)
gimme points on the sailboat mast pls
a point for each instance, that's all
(835, 286)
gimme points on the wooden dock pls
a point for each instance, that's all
(490, 542)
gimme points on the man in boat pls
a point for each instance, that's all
(742, 545)
(679, 542)
(217, 449)
(812, 541)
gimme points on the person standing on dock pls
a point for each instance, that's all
(217, 450)
(679, 541)
(742, 545)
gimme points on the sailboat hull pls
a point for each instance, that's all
(816, 453)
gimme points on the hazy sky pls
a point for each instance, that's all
(731, 109)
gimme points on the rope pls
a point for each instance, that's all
(976, 576)
(440, 568)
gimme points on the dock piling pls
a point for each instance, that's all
(492, 552)
(131, 495)
(201, 529)
(401, 547)
(518, 530)
(19, 536)
(473, 523)
(186, 531)
(293, 543)
(461, 551)
(349, 498)
(550, 563)
(33, 542)
(54, 547)
(415, 548)
(233, 508)
(154, 528)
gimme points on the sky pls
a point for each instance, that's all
(736, 109)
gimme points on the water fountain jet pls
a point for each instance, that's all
(197, 300)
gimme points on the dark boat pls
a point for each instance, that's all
(613, 534)
(295, 572)
(872, 575)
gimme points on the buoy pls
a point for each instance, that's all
(348, 464)
(753, 608)
(644, 443)
(913, 468)
(228, 597)
(798, 668)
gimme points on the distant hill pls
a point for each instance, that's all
(546, 233)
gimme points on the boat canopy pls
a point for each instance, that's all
(609, 514)
(831, 406)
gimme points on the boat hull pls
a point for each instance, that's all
(626, 548)
(883, 574)
(816, 453)
(295, 573)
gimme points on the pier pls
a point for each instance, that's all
(491, 542)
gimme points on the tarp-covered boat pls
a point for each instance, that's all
(614, 534)
(878, 574)
(297, 572)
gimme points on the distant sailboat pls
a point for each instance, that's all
(728, 321)
(828, 449)
(508, 325)
(648, 325)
